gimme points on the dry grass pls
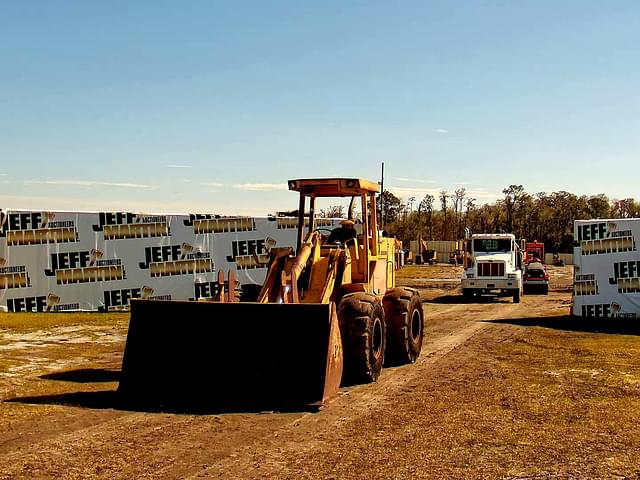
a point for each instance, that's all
(534, 401)
(534, 397)
(36, 344)
(25, 322)
(556, 402)
(525, 403)
(39, 342)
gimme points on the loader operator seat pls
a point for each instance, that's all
(343, 233)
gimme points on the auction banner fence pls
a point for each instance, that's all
(607, 268)
(69, 261)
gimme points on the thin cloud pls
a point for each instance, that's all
(416, 180)
(212, 184)
(483, 195)
(87, 183)
(441, 130)
(260, 186)
(178, 166)
(252, 187)
(412, 191)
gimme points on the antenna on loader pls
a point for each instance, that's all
(382, 198)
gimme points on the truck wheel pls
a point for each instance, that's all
(362, 326)
(405, 325)
(516, 295)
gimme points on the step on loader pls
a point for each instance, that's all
(328, 314)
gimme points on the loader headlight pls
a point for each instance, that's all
(470, 275)
(512, 275)
(292, 184)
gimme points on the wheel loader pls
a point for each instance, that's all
(328, 314)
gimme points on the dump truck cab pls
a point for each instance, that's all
(494, 266)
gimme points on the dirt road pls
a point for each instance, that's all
(491, 397)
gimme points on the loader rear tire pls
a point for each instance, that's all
(405, 325)
(362, 326)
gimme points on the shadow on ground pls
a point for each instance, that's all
(207, 403)
(459, 299)
(619, 326)
(85, 375)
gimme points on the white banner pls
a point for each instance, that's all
(66, 261)
(607, 268)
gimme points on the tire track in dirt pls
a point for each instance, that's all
(151, 445)
(269, 456)
(133, 445)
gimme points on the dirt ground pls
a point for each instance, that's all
(501, 390)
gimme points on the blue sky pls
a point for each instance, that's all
(210, 106)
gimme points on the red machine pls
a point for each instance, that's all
(535, 278)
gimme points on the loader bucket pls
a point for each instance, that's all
(209, 354)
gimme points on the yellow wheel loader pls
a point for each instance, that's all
(327, 314)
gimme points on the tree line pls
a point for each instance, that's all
(546, 217)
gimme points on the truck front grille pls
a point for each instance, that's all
(493, 269)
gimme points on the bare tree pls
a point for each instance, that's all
(512, 194)
(426, 205)
(599, 206)
(626, 208)
(458, 202)
(546, 217)
(333, 211)
(443, 202)
(470, 205)
(391, 208)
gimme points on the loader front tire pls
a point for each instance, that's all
(362, 326)
(405, 325)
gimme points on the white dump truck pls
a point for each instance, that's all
(493, 265)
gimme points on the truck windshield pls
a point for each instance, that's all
(491, 245)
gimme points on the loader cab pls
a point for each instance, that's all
(360, 240)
